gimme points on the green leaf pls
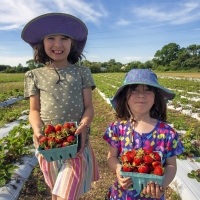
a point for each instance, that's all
(198, 179)
(194, 172)
(2, 182)
(191, 175)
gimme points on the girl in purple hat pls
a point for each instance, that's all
(140, 105)
(59, 92)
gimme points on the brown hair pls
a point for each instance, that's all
(40, 55)
(157, 111)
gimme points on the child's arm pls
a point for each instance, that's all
(86, 118)
(34, 117)
(170, 171)
(115, 165)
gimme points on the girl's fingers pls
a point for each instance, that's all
(157, 190)
(153, 191)
(83, 139)
(125, 182)
(148, 188)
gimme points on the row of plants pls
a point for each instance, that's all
(183, 98)
(12, 112)
(16, 144)
(11, 86)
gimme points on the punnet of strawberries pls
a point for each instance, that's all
(58, 136)
(142, 161)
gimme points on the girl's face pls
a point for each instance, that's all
(141, 99)
(57, 47)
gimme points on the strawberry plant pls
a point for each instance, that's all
(12, 147)
(191, 142)
(195, 174)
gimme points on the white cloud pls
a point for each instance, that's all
(176, 13)
(16, 13)
(123, 22)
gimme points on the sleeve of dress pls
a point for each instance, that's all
(87, 78)
(111, 135)
(30, 87)
(174, 145)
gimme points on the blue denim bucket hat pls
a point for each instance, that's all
(142, 76)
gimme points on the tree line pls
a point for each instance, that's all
(170, 58)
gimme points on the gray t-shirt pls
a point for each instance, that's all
(63, 101)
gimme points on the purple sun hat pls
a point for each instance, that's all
(142, 76)
(55, 23)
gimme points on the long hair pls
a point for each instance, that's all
(40, 55)
(157, 111)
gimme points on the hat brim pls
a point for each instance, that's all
(55, 23)
(167, 94)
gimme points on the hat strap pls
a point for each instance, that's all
(53, 65)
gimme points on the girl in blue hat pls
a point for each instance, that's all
(59, 92)
(140, 105)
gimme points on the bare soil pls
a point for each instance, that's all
(35, 187)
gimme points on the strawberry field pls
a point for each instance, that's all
(183, 115)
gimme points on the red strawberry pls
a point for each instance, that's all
(148, 151)
(51, 143)
(43, 142)
(49, 128)
(58, 127)
(127, 157)
(71, 139)
(156, 163)
(58, 138)
(156, 156)
(72, 124)
(148, 159)
(159, 171)
(137, 160)
(65, 143)
(143, 168)
(134, 152)
(126, 167)
(66, 125)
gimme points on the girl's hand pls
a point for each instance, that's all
(126, 183)
(82, 129)
(154, 190)
(36, 138)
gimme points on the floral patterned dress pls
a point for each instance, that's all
(162, 138)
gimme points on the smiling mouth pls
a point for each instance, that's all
(57, 52)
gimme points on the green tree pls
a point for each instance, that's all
(3, 67)
(148, 64)
(167, 54)
(193, 49)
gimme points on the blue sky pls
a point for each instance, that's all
(124, 30)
